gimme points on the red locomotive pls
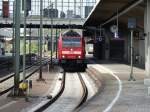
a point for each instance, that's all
(71, 50)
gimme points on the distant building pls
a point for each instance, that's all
(50, 13)
(77, 16)
(69, 13)
(62, 14)
(88, 10)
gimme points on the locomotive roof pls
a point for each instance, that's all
(71, 33)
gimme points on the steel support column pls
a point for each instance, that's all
(80, 8)
(107, 44)
(94, 52)
(13, 36)
(24, 43)
(56, 43)
(74, 7)
(56, 4)
(30, 45)
(17, 47)
(38, 43)
(62, 6)
(51, 37)
(68, 7)
(147, 38)
(41, 35)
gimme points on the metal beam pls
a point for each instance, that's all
(94, 28)
(44, 26)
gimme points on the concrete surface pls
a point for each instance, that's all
(133, 96)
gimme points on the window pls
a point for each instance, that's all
(71, 42)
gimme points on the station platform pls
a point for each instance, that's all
(40, 90)
(118, 94)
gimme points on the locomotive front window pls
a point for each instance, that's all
(71, 42)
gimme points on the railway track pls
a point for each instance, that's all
(12, 74)
(7, 82)
(72, 94)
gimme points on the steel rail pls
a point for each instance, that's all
(85, 92)
(10, 76)
(8, 89)
(55, 98)
(4, 64)
(51, 101)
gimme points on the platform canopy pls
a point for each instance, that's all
(105, 12)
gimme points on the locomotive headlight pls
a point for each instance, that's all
(63, 56)
(79, 56)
